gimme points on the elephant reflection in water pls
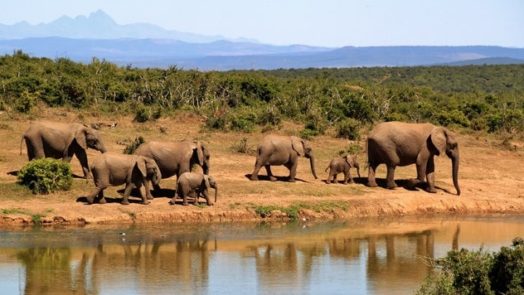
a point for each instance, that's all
(404, 267)
(49, 271)
(281, 263)
(184, 264)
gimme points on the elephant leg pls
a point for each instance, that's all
(101, 198)
(292, 170)
(430, 175)
(391, 177)
(335, 178)
(144, 196)
(330, 176)
(348, 177)
(91, 197)
(258, 165)
(372, 182)
(209, 202)
(127, 192)
(82, 157)
(147, 187)
(269, 173)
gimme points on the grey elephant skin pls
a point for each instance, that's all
(196, 185)
(401, 144)
(116, 169)
(62, 141)
(175, 158)
(342, 165)
(282, 150)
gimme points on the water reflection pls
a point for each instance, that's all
(336, 258)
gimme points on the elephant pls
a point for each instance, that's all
(134, 171)
(282, 150)
(402, 144)
(196, 185)
(342, 164)
(62, 141)
(175, 158)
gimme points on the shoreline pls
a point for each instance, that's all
(316, 210)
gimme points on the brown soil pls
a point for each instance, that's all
(491, 179)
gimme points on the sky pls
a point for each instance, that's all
(330, 23)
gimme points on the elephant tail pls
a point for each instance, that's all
(325, 170)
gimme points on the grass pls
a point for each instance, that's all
(293, 210)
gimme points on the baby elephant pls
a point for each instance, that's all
(116, 169)
(195, 185)
(342, 164)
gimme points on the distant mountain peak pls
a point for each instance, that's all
(101, 16)
(98, 25)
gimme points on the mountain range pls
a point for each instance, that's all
(145, 45)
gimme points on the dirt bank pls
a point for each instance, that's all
(491, 178)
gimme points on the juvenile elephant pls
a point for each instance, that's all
(175, 158)
(282, 150)
(62, 141)
(401, 144)
(196, 185)
(342, 165)
(116, 169)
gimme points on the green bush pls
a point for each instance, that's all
(131, 147)
(46, 175)
(479, 272)
(242, 147)
(26, 102)
(348, 128)
(144, 114)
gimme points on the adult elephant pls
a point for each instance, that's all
(62, 141)
(401, 144)
(175, 158)
(282, 150)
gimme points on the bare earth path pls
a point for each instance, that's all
(491, 178)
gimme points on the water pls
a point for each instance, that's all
(364, 257)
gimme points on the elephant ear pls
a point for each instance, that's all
(80, 137)
(349, 160)
(198, 154)
(141, 166)
(298, 145)
(205, 182)
(438, 139)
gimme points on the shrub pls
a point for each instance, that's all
(507, 273)
(479, 272)
(242, 147)
(144, 114)
(243, 121)
(352, 149)
(46, 175)
(348, 128)
(26, 102)
(131, 147)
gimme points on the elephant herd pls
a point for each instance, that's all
(390, 143)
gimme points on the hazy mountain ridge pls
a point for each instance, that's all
(145, 45)
(99, 25)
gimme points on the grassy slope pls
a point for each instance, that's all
(487, 183)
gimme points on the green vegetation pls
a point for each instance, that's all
(481, 98)
(43, 176)
(293, 210)
(132, 146)
(479, 272)
(243, 147)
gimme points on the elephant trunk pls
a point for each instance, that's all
(455, 169)
(312, 163)
(216, 193)
(102, 148)
(205, 168)
(358, 170)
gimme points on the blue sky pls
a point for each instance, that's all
(311, 22)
